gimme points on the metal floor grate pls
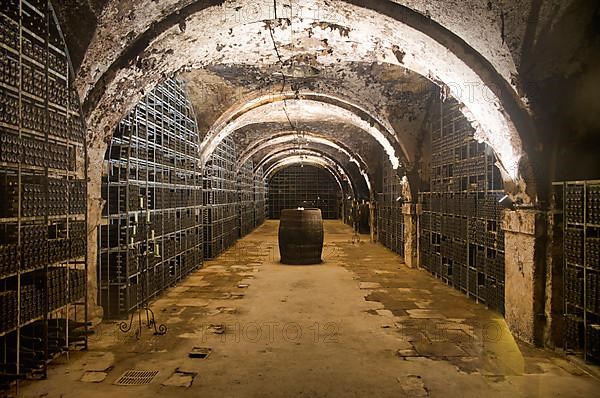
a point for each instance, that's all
(136, 377)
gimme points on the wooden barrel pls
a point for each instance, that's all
(301, 236)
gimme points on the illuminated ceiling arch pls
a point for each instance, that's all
(376, 31)
(289, 158)
(289, 141)
(292, 136)
(279, 152)
(291, 108)
(307, 160)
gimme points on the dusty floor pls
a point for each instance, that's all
(360, 325)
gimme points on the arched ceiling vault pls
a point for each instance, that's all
(360, 179)
(343, 171)
(293, 108)
(301, 40)
(351, 138)
(304, 140)
(296, 160)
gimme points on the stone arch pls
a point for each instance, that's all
(315, 161)
(278, 156)
(287, 142)
(344, 109)
(412, 39)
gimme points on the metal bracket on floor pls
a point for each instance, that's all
(150, 323)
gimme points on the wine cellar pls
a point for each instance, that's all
(43, 268)
(260, 197)
(233, 199)
(461, 236)
(580, 202)
(304, 186)
(151, 234)
(246, 198)
(251, 188)
(193, 194)
(390, 218)
(221, 200)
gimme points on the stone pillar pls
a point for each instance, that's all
(525, 245)
(372, 216)
(94, 214)
(554, 297)
(409, 212)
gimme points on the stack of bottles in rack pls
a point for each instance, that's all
(462, 240)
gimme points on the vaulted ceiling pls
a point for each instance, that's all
(358, 75)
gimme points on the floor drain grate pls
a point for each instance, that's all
(200, 352)
(136, 377)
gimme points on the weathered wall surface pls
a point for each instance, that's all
(78, 20)
(559, 70)
(410, 235)
(154, 39)
(554, 309)
(393, 95)
(525, 273)
(546, 49)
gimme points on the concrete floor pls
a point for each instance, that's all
(361, 324)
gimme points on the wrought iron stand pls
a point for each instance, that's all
(150, 323)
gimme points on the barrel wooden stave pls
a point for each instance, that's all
(301, 236)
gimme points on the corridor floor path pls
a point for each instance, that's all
(361, 324)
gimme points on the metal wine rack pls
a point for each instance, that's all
(390, 219)
(307, 186)
(151, 231)
(221, 200)
(260, 197)
(461, 237)
(251, 192)
(580, 202)
(234, 201)
(246, 198)
(43, 234)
